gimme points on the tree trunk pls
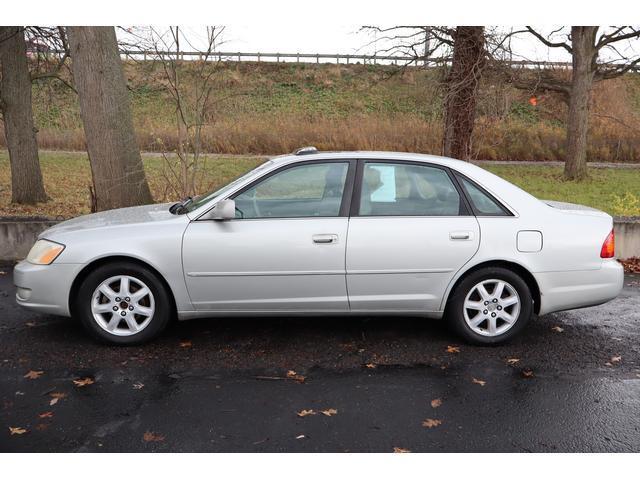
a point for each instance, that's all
(116, 165)
(15, 99)
(462, 89)
(584, 64)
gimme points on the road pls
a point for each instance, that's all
(570, 383)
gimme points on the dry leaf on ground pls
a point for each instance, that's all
(46, 415)
(329, 412)
(482, 383)
(17, 430)
(431, 423)
(436, 402)
(33, 374)
(453, 349)
(83, 382)
(186, 344)
(293, 375)
(557, 329)
(31, 324)
(304, 413)
(512, 361)
(138, 386)
(152, 437)
(55, 396)
(370, 365)
(300, 437)
(527, 373)
(616, 359)
(400, 450)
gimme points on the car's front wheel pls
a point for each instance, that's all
(123, 303)
(490, 306)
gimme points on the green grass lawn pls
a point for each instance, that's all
(67, 179)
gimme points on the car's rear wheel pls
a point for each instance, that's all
(490, 306)
(123, 303)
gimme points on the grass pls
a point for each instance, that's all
(67, 179)
(268, 108)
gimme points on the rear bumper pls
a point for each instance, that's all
(577, 289)
(45, 288)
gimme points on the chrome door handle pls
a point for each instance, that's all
(325, 238)
(460, 235)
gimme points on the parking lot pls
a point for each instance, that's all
(571, 382)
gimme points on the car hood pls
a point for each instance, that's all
(576, 208)
(112, 218)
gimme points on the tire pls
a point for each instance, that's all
(102, 307)
(498, 320)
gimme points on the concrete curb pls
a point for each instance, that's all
(17, 235)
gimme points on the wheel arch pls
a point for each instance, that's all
(98, 262)
(525, 274)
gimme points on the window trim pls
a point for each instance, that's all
(346, 194)
(459, 176)
(464, 210)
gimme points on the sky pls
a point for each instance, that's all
(312, 37)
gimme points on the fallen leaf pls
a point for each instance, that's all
(293, 375)
(608, 364)
(329, 412)
(17, 430)
(512, 361)
(31, 324)
(152, 437)
(2, 272)
(453, 349)
(527, 373)
(186, 344)
(431, 423)
(300, 437)
(46, 415)
(370, 365)
(55, 396)
(400, 450)
(304, 413)
(436, 402)
(616, 359)
(482, 383)
(33, 374)
(83, 382)
(138, 386)
(557, 329)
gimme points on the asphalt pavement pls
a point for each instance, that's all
(569, 383)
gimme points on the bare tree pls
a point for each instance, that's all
(27, 185)
(116, 165)
(462, 91)
(597, 54)
(190, 85)
(461, 50)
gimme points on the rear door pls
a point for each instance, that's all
(410, 231)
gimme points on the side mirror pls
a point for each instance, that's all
(224, 210)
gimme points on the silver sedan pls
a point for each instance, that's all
(312, 233)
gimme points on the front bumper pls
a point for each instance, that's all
(45, 288)
(578, 289)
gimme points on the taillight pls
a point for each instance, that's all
(608, 249)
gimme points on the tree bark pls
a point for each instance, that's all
(116, 165)
(15, 101)
(584, 55)
(462, 89)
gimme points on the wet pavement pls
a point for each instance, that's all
(570, 382)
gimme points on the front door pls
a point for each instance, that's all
(285, 250)
(409, 234)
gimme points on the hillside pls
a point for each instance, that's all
(268, 108)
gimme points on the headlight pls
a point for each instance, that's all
(44, 252)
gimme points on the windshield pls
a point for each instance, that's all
(203, 199)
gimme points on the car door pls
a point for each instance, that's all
(410, 232)
(285, 250)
